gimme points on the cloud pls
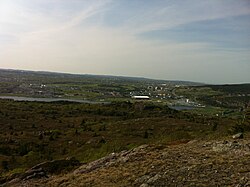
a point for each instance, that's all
(148, 16)
(18, 18)
(101, 37)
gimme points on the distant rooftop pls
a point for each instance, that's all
(140, 97)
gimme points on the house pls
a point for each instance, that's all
(140, 97)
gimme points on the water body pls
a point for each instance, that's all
(180, 107)
(33, 99)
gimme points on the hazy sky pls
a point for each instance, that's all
(206, 41)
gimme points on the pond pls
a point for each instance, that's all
(182, 107)
(17, 98)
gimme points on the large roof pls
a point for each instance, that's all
(140, 97)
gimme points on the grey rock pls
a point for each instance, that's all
(55, 166)
(34, 173)
(144, 185)
(238, 136)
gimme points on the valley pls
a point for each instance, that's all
(46, 117)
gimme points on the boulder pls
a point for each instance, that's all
(238, 136)
(34, 173)
(51, 167)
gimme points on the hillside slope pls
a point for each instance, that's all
(194, 163)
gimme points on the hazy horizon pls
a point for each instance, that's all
(191, 40)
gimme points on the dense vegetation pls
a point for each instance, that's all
(226, 96)
(231, 88)
(32, 132)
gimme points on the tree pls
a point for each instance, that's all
(145, 134)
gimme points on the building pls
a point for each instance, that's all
(140, 97)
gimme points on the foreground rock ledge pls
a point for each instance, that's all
(196, 163)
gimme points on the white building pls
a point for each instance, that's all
(141, 97)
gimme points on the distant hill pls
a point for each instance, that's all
(11, 72)
(231, 88)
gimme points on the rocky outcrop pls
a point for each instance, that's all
(212, 163)
(55, 166)
(44, 169)
(196, 163)
(110, 160)
(34, 173)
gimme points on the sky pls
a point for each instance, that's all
(204, 41)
